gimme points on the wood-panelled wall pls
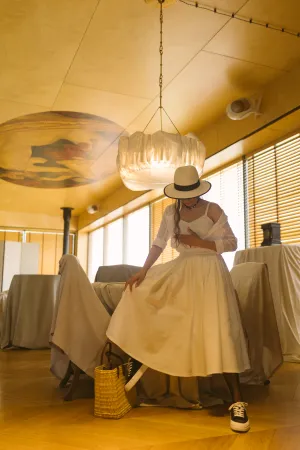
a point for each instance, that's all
(10, 236)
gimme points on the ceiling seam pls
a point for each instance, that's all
(108, 92)
(203, 47)
(236, 12)
(76, 52)
(245, 60)
(22, 103)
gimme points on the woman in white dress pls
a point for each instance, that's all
(181, 318)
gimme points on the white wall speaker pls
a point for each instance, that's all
(243, 107)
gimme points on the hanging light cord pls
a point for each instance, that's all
(241, 18)
(161, 109)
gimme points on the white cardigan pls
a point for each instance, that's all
(220, 233)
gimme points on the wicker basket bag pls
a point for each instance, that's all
(110, 398)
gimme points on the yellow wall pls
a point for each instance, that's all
(11, 220)
(10, 236)
(120, 196)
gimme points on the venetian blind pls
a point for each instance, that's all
(273, 190)
(157, 210)
(136, 237)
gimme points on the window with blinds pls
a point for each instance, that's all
(124, 241)
(157, 210)
(273, 191)
(113, 243)
(136, 237)
(95, 252)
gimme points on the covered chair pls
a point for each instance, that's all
(81, 317)
(251, 282)
(78, 331)
(116, 273)
(109, 284)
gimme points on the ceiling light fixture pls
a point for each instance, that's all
(148, 161)
(92, 209)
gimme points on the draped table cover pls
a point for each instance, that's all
(283, 262)
(3, 297)
(252, 285)
(28, 311)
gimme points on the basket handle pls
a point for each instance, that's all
(107, 351)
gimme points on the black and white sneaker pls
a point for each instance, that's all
(135, 372)
(239, 421)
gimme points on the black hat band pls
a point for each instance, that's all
(190, 187)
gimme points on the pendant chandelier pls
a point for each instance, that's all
(148, 161)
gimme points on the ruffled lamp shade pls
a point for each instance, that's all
(148, 161)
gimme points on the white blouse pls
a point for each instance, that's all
(219, 232)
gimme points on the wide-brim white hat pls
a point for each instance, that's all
(186, 184)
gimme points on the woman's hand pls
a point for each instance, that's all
(188, 239)
(136, 279)
(192, 239)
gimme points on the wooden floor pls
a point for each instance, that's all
(34, 416)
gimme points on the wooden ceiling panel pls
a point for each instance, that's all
(119, 108)
(38, 42)
(257, 45)
(120, 50)
(200, 94)
(10, 110)
(203, 99)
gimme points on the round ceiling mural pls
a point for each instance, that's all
(54, 149)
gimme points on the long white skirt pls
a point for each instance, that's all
(183, 320)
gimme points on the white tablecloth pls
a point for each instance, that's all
(28, 311)
(283, 262)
